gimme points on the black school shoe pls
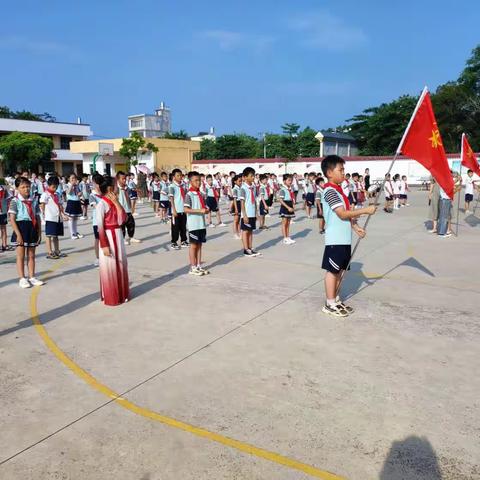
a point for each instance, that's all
(174, 246)
(248, 253)
(184, 244)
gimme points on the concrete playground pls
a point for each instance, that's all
(238, 374)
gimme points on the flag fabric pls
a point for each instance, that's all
(422, 142)
(468, 156)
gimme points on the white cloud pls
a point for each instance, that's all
(228, 40)
(25, 44)
(325, 31)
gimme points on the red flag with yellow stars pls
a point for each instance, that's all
(422, 142)
(468, 156)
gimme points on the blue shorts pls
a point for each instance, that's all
(336, 258)
(468, 197)
(197, 236)
(53, 229)
(250, 226)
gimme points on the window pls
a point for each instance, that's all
(65, 143)
(136, 123)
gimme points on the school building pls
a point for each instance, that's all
(64, 160)
(378, 166)
(171, 154)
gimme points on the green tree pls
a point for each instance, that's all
(180, 135)
(208, 150)
(236, 146)
(132, 146)
(24, 150)
(308, 145)
(290, 145)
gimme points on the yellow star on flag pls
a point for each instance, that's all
(435, 139)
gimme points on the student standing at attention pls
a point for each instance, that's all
(195, 208)
(248, 224)
(176, 193)
(340, 221)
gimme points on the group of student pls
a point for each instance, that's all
(189, 201)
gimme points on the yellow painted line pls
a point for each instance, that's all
(144, 412)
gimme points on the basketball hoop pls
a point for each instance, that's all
(104, 150)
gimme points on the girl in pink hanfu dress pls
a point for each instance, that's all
(114, 289)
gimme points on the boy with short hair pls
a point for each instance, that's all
(195, 209)
(388, 189)
(310, 194)
(52, 210)
(248, 197)
(264, 196)
(4, 202)
(469, 189)
(176, 194)
(340, 221)
(85, 189)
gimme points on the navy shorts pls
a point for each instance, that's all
(74, 208)
(250, 226)
(310, 199)
(29, 234)
(336, 258)
(133, 194)
(468, 197)
(197, 236)
(53, 229)
(3, 219)
(212, 204)
(95, 232)
(263, 211)
(403, 196)
(164, 204)
(156, 196)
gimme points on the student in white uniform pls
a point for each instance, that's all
(469, 189)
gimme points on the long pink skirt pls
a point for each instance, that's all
(114, 289)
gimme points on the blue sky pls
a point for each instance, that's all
(241, 66)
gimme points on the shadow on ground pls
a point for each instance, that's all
(411, 459)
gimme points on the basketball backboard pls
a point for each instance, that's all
(105, 149)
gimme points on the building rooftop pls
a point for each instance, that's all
(46, 128)
(338, 136)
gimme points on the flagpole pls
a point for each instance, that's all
(397, 153)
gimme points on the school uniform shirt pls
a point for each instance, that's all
(396, 187)
(388, 188)
(4, 200)
(163, 191)
(318, 194)
(346, 187)
(156, 186)
(211, 191)
(249, 195)
(52, 207)
(94, 200)
(236, 192)
(72, 192)
(132, 185)
(310, 187)
(338, 231)
(264, 191)
(403, 187)
(286, 194)
(295, 185)
(469, 183)
(124, 199)
(177, 193)
(18, 206)
(195, 221)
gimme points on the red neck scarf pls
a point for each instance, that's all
(28, 203)
(290, 191)
(200, 196)
(252, 194)
(54, 198)
(2, 196)
(339, 189)
(182, 190)
(267, 188)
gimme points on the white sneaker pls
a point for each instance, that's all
(74, 237)
(237, 237)
(127, 241)
(36, 282)
(95, 263)
(24, 283)
(195, 271)
(135, 214)
(79, 235)
(135, 240)
(211, 225)
(222, 225)
(83, 217)
(291, 241)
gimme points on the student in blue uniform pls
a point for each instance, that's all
(52, 209)
(213, 194)
(164, 200)
(74, 207)
(264, 192)
(340, 221)
(176, 193)
(133, 193)
(248, 224)
(25, 219)
(124, 199)
(320, 183)
(286, 196)
(5, 198)
(195, 208)
(236, 210)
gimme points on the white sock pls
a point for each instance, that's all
(331, 302)
(72, 223)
